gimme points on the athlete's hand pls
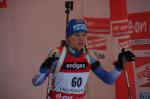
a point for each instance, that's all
(38, 79)
(123, 58)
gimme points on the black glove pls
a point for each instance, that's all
(49, 61)
(95, 65)
(124, 57)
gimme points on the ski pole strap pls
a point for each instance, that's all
(61, 59)
(87, 55)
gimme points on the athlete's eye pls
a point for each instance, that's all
(77, 34)
(84, 34)
(81, 34)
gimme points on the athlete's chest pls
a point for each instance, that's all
(73, 64)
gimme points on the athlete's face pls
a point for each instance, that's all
(77, 40)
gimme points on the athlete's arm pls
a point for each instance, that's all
(107, 77)
(47, 67)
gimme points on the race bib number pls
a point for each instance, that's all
(71, 82)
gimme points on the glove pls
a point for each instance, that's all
(95, 65)
(49, 61)
(40, 77)
(124, 57)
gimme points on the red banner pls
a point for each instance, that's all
(3, 4)
(125, 85)
(139, 23)
(97, 29)
(139, 27)
(98, 26)
(120, 28)
(118, 9)
(133, 33)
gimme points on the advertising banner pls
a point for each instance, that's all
(133, 34)
(139, 27)
(98, 31)
(125, 85)
(119, 27)
(98, 26)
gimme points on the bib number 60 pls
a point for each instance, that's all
(76, 81)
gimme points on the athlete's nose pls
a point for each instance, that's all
(81, 37)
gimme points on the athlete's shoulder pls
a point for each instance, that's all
(92, 56)
(56, 51)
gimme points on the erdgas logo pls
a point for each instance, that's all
(74, 65)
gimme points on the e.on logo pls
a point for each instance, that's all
(137, 26)
(59, 96)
